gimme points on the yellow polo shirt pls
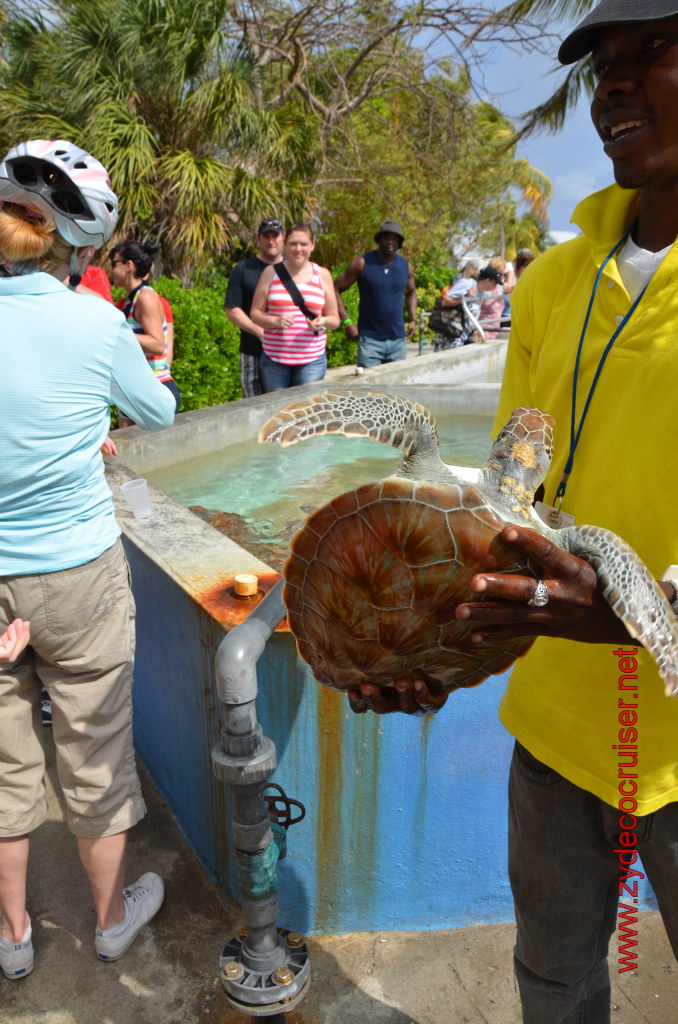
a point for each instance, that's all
(563, 698)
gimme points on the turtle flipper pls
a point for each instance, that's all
(386, 418)
(633, 594)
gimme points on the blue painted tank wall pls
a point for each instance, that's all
(406, 818)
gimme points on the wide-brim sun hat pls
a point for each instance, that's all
(611, 12)
(66, 185)
(390, 227)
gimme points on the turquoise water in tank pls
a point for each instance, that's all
(273, 489)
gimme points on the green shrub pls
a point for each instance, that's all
(341, 351)
(206, 363)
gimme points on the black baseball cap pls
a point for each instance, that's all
(491, 274)
(611, 12)
(270, 224)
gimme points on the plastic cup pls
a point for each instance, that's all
(136, 495)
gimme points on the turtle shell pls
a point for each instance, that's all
(374, 577)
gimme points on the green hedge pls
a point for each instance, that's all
(206, 345)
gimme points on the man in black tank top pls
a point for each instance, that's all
(386, 283)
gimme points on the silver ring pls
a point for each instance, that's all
(540, 596)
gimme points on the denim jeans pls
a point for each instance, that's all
(565, 876)
(374, 351)
(277, 376)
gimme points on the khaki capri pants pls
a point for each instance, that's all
(82, 652)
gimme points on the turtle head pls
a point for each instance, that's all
(519, 461)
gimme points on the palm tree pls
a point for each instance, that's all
(209, 113)
(151, 88)
(551, 114)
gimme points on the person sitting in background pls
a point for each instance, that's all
(491, 300)
(508, 283)
(523, 259)
(463, 288)
(130, 267)
(464, 284)
(505, 268)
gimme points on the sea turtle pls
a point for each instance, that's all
(374, 576)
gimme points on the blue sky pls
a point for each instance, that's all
(573, 159)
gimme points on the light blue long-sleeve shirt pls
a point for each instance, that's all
(64, 358)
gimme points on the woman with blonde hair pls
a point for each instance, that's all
(65, 358)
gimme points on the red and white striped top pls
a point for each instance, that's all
(298, 343)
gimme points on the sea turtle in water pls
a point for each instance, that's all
(374, 576)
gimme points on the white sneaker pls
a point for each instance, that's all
(142, 902)
(16, 958)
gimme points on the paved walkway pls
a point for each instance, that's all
(169, 976)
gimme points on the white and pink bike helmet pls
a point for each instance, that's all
(66, 185)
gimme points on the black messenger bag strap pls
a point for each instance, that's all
(296, 296)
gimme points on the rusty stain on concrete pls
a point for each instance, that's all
(221, 602)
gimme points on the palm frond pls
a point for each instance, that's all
(550, 115)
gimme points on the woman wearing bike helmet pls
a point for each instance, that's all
(65, 359)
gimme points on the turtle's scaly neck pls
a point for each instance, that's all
(422, 461)
(518, 462)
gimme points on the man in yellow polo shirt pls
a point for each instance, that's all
(594, 779)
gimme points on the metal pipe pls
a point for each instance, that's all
(469, 314)
(267, 970)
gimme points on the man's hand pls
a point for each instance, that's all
(576, 608)
(409, 697)
(411, 330)
(15, 638)
(352, 332)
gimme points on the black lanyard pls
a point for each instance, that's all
(575, 431)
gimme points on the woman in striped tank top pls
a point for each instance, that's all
(131, 264)
(294, 344)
